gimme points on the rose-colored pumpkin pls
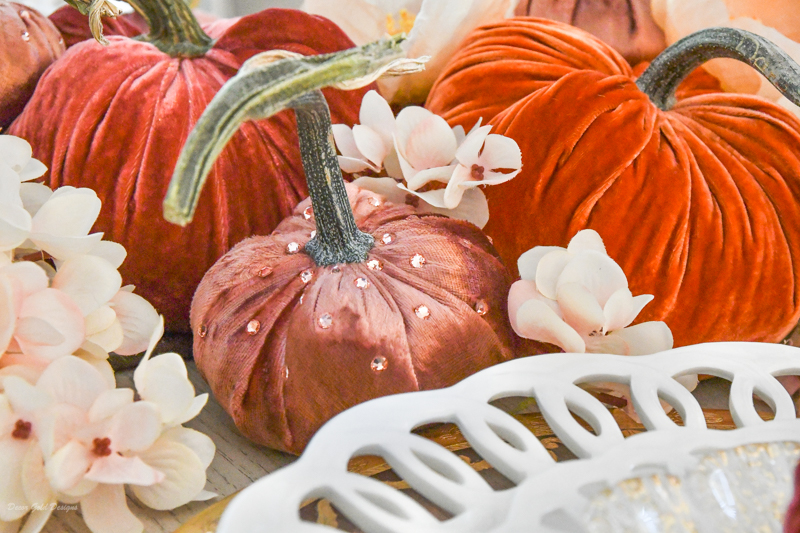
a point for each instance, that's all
(626, 25)
(29, 44)
(115, 118)
(351, 297)
(700, 204)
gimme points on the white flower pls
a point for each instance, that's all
(679, 18)
(421, 147)
(435, 28)
(578, 299)
(73, 437)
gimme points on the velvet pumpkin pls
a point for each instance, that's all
(115, 118)
(351, 297)
(626, 25)
(29, 44)
(698, 201)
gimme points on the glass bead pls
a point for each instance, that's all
(379, 364)
(325, 321)
(418, 261)
(253, 326)
(422, 312)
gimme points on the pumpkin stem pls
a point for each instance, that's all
(660, 80)
(261, 90)
(173, 28)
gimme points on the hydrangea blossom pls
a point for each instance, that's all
(419, 147)
(578, 299)
(72, 437)
(434, 27)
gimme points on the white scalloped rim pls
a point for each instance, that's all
(548, 496)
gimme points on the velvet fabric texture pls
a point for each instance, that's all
(260, 317)
(30, 43)
(74, 26)
(792, 524)
(699, 205)
(625, 25)
(115, 119)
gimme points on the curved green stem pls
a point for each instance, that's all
(262, 91)
(660, 80)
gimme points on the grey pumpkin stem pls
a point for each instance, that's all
(661, 79)
(262, 91)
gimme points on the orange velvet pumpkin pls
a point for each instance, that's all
(29, 43)
(698, 201)
(350, 298)
(114, 118)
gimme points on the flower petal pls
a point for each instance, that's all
(59, 312)
(386, 187)
(521, 291)
(641, 339)
(112, 252)
(595, 271)
(198, 402)
(473, 208)
(135, 427)
(72, 381)
(549, 269)
(34, 480)
(64, 247)
(58, 425)
(622, 308)
(528, 262)
(351, 165)
(115, 469)
(425, 140)
(185, 476)
(13, 503)
(198, 442)
(140, 374)
(89, 280)
(23, 397)
(536, 320)
(108, 339)
(423, 177)
(376, 114)
(8, 314)
(32, 170)
(15, 152)
(68, 465)
(38, 518)
(500, 152)
(370, 144)
(580, 309)
(467, 154)
(138, 320)
(34, 195)
(167, 387)
(360, 20)
(346, 142)
(105, 510)
(29, 277)
(69, 212)
(38, 331)
(110, 402)
(585, 240)
(15, 226)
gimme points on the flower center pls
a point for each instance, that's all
(22, 430)
(102, 447)
(403, 25)
(477, 172)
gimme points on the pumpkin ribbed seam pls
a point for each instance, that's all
(771, 172)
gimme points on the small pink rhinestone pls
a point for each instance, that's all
(253, 326)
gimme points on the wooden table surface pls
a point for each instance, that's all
(238, 462)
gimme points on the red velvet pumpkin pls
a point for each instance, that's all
(74, 26)
(699, 201)
(29, 44)
(626, 25)
(353, 299)
(115, 118)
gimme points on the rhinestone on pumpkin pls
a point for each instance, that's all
(263, 272)
(307, 212)
(387, 238)
(379, 364)
(202, 331)
(301, 298)
(253, 326)
(422, 312)
(306, 275)
(26, 36)
(481, 307)
(336, 269)
(313, 233)
(417, 261)
(361, 283)
(292, 248)
(325, 321)
(374, 202)
(374, 264)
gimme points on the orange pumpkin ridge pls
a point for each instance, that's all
(699, 204)
(327, 312)
(115, 119)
